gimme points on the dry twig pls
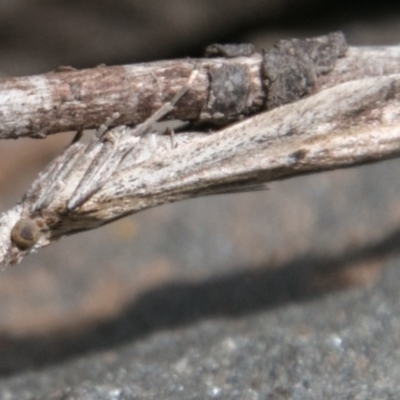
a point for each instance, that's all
(126, 170)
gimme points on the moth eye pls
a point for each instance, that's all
(25, 233)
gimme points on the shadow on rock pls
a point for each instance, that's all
(175, 305)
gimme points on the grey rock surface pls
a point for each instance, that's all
(343, 345)
(232, 329)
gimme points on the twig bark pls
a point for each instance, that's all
(122, 172)
(57, 102)
(227, 88)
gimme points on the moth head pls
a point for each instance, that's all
(25, 233)
(19, 235)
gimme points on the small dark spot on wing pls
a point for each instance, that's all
(299, 155)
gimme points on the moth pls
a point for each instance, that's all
(123, 170)
(89, 185)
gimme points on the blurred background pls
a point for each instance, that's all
(222, 256)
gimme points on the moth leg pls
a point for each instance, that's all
(93, 162)
(165, 109)
(106, 126)
(171, 133)
(99, 169)
(101, 131)
(114, 149)
(77, 137)
(126, 145)
(144, 128)
(103, 128)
